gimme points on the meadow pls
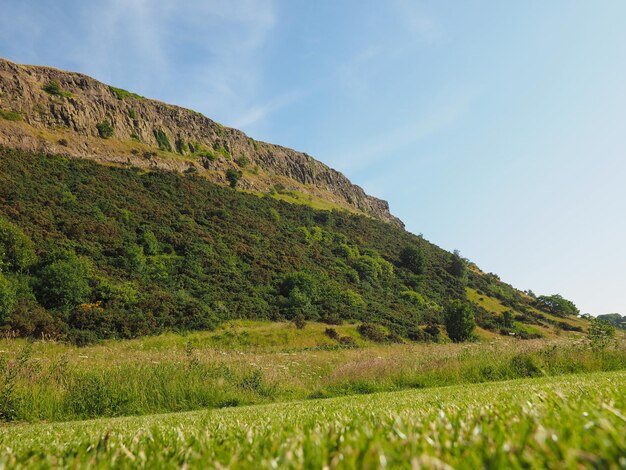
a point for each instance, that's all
(572, 421)
(256, 362)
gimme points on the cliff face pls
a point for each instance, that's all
(49, 110)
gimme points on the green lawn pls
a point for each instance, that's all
(564, 422)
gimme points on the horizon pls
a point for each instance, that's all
(512, 146)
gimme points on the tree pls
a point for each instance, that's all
(64, 283)
(507, 319)
(459, 320)
(600, 334)
(411, 258)
(557, 305)
(458, 265)
(233, 177)
(8, 298)
(16, 249)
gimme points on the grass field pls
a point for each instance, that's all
(245, 363)
(568, 422)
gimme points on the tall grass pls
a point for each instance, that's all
(54, 382)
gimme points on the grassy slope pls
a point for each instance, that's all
(565, 422)
(161, 251)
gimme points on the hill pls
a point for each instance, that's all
(98, 251)
(48, 110)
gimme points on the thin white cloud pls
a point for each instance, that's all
(203, 54)
(386, 145)
(261, 112)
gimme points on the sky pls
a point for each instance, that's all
(496, 128)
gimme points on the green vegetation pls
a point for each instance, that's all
(557, 305)
(221, 150)
(159, 251)
(242, 161)
(601, 334)
(569, 422)
(459, 321)
(10, 115)
(162, 140)
(131, 113)
(53, 88)
(181, 146)
(120, 94)
(233, 177)
(615, 319)
(105, 129)
(245, 362)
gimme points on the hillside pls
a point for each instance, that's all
(47, 110)
(98, 251)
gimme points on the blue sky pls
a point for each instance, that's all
(498, 128)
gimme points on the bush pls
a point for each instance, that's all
(162, 140)
(242, 161)
(105, 129)
(10, 115)
(372, 332)
(299, 321)
(411, 258)
(64, 283)
(331, 333)
(233, 177)
(53, 88)
(459, 320)
(8, 298)
(17, 252)
(29, 319)
(601, 334)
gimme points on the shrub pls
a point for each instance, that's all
(242, 161)
(372, 332)
(347, 341)
(17, 252)
(601, 334)
(411, 258)
(105, 129)
(53, 88)
(63, 142)
(10, 115)
(120, 94)
(181, 146)
(29, 319)
(221, 150)
(331, 333)
(64, 283)
(8, 297)
(162, 140)
(459, 320)
(233, 177)
(299, 321)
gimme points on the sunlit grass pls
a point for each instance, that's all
(570, 422)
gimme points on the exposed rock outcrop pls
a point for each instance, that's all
(64, 119)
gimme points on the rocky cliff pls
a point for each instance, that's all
(53, 111)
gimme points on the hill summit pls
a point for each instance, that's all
(53, 111)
